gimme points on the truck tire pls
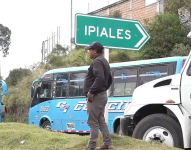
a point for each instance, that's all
(46, 125)
(159, 128)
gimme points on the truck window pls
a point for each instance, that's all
(150, 73)
(76, 84)
(62, 85)
(125, 81)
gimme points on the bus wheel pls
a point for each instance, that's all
(159, 128)
(46, 125)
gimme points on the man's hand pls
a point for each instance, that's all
(90, 97)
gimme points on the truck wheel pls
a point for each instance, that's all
(159, 128)
(46, 125)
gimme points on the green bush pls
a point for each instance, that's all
(18, 99)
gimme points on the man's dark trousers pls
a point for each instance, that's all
(96, 119)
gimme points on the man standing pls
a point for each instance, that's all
(96, 84)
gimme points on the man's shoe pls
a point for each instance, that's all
(105, 147)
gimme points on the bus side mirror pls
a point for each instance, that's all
(189, 35)
(3, 87)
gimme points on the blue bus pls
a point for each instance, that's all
(3, 91)
(58, 102)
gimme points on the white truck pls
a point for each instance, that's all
(161, 110)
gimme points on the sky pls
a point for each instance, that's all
(32, 21)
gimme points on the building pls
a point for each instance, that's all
(133, 9)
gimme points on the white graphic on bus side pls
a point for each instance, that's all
(63, 106)
(113, 106)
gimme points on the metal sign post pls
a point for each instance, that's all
(106, 55)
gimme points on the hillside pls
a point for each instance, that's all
(13, 134)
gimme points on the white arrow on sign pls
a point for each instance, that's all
(144, 35)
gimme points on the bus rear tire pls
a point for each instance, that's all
(46, 125)
(159, 128)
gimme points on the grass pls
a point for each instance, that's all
(35, 138)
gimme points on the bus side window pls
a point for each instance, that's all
(62, 85)
(125, 81)
(76, 84)
(46, 91)
(150, 73)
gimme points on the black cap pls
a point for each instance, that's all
(95, 45)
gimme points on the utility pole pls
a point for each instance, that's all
(108, 9)
(106, 55)
(42, 51)
(59, 35)
(47, 45)
(88, 7)
(52, 40)
(71, 27)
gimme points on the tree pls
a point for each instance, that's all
(16, 75)
(173, 5)
(60, 50)
(165, 31)
(116, 14)
(181, 50)
(56, 58)
(188, 5)
(168, 31)
(78, 58)
(5, 39)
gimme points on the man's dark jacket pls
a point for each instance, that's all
(98, 78)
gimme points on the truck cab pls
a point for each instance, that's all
(160, 110)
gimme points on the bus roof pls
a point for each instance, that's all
(129, 63)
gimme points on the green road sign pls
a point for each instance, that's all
(110, 32)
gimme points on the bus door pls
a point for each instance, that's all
(45, 99)
(34, 107)
(78, 101)
(60, 104)
(45, 96)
